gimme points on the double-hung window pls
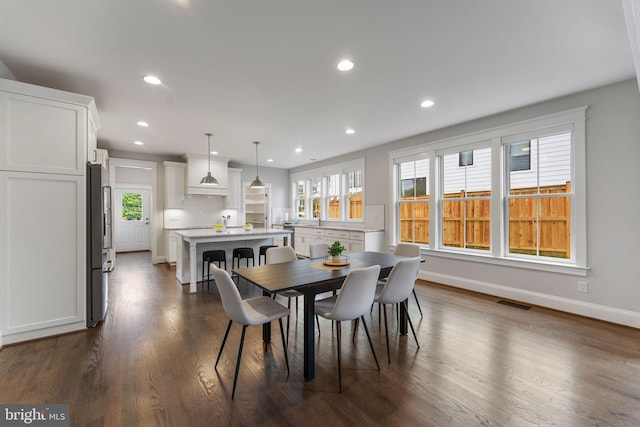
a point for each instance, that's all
(300, 200)
(333, 196)
(511, 195)
(465, 198)
(413, 203)
(539, 197)
(353, 195)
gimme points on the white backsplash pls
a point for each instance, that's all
(200, 211)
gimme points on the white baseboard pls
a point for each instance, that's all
(43, 333)
(596, 311)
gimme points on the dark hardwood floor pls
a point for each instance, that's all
(481, 363)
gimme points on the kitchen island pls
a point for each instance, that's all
(193, 242)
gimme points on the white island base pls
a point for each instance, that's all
(192, 243)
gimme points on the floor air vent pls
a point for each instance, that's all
(514, 304)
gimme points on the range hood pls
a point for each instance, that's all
(198, 166)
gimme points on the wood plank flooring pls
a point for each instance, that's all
(480, 363)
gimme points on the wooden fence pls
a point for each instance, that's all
(355, 207)
(553, 225)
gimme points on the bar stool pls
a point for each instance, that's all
(216, 255)
(242, 253)
(263, 253)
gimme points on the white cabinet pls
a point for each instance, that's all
(341, 236)
(197, 168)
(45, 135)
(353, 241)
(234, 198)
(172, 246)
(174, 174)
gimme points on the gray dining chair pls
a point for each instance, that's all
(318, 250)
(396, 290)
(248, 312)
(277, 255)
(409, 250)
(353, 301)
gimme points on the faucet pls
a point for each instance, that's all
(319, 221)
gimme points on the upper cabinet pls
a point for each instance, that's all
(174, 174)
(46, 130)
(197, 168)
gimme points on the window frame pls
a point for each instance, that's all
(574, 118)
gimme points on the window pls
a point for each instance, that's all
(131, 207)
(509, 194)
(413, 207)
(354, 194)
(520, 156)
(540, 198)
(300, 192)
(316, 197)
(335, 193)
(466, 200)
(332, 204)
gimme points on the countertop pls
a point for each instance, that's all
(236, 232)
(339, 228)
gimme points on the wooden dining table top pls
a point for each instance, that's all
(308, 272)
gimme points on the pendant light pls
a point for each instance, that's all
(256, 182)
(209, 179)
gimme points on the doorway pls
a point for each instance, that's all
(131, 216)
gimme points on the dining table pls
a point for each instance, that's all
(312, 277)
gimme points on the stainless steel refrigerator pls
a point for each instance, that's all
(98, 242)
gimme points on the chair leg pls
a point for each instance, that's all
(370, 343)
(224, 341)
(318, 323)
(284, 345)
(235, 378)
(406, 309)
(417, 302)
(355, 329)
(339, 339)
(386, 332)
(288, 319)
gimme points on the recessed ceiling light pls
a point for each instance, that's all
(349, 131)
(427, 103)
(345, 65)
(214, 152)
(269, 160)
(299, 150)
(143, 124)
(153, 80)
(138, 142)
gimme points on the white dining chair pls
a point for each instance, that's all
(249, 312)
(355, 297)
(279, 255)
(318, 250)
(396, 290)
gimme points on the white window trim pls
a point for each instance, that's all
(575, 117)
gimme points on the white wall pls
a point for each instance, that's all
(613, 171)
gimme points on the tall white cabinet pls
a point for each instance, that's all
(46, 138)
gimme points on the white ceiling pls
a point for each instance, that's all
(260, 70)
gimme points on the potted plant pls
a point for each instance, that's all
(335, 250)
